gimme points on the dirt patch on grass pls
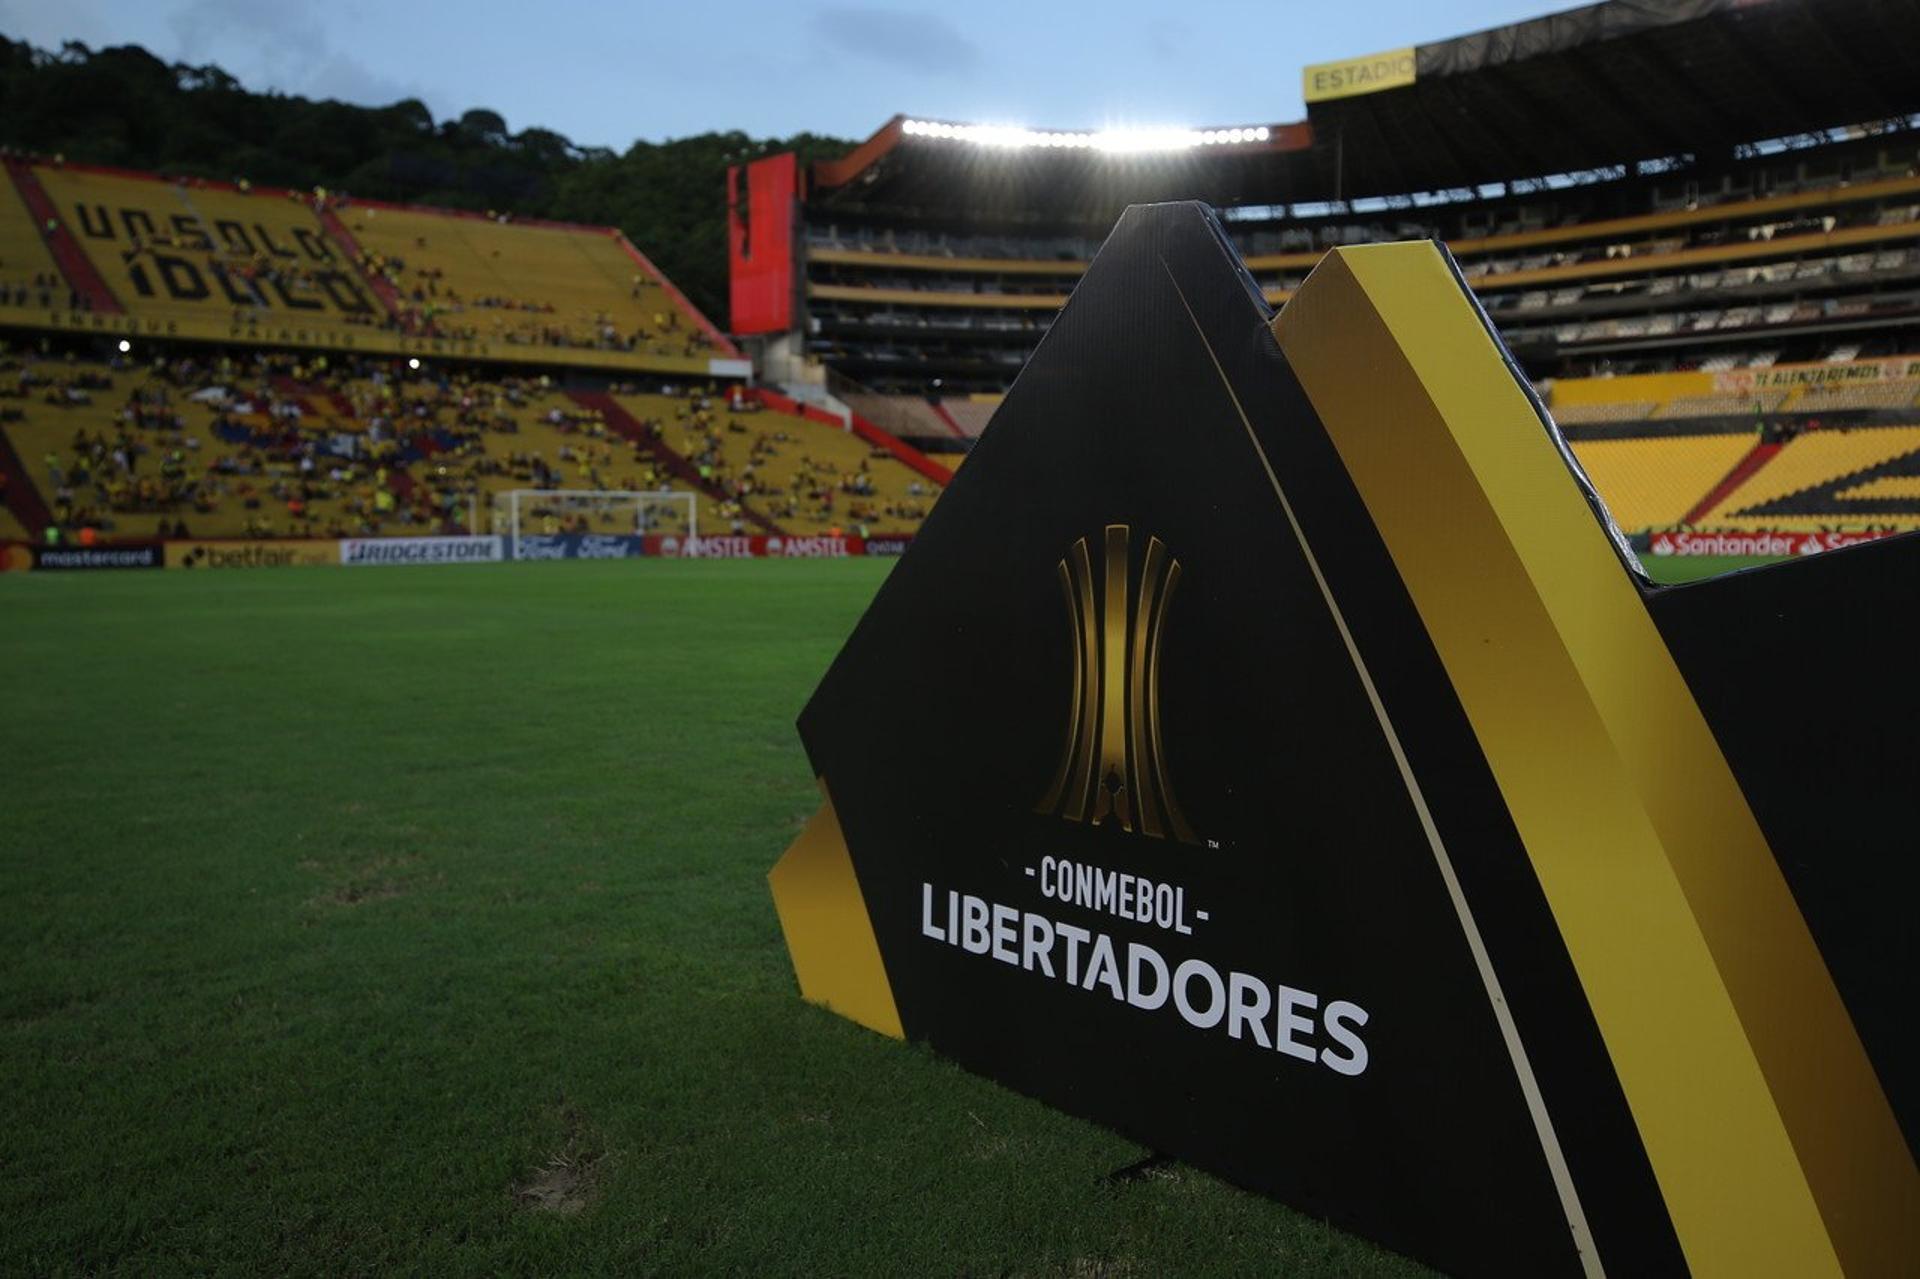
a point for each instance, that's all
(358, 894)
(378, 880)
(565, 1186)
(1152, 1166)
(568, 1182)
(30, 1007)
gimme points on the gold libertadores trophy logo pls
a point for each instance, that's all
(1112, 763)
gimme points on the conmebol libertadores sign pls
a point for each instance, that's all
(1318, 793)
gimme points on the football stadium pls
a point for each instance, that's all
(1350, 675)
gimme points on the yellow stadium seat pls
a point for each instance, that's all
(511, 427)
(524, 285)
(11, 529)
(787, 465)
(206, 261)
(203, 262)
(23, 252)
(1810, 461)
(1653, 482)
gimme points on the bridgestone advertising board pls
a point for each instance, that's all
(356, 552)
(1332, 803)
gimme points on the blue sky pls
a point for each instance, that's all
(607, 73)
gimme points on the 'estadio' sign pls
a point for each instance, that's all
(1306, 813)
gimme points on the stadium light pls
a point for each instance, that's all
(1111, 141)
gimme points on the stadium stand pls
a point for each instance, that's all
(799, 475)
(1623, 411)
(274, 446)
(1684, 279)
(527, 285)
(972, 413)
(1824, 478)
(904, 415)
(214, 261)
(1898, 394)
(1712, 276)
(1751, 403)
(269, 377)
(1654, 482)
(1789, 446)
(1895, 488)
(28, 274)
(1696, 226)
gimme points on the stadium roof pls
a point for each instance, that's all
(1620, 83)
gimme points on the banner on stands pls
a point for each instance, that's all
(312, 552)
(1823, 374)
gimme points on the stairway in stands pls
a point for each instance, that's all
(1742, 471)
(67, 253)
(23, 499)
(940, 410)
(628, 426)
(343, 239)
(311, 398)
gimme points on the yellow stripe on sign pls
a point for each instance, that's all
(1773, 1144)
(1113, 685)
(829, 934)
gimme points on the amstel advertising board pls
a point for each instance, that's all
(743, 546)
(1331, 802)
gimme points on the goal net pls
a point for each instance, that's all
(521, 513)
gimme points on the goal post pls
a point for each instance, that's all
(535, 512)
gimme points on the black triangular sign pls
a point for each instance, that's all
(1170, 800)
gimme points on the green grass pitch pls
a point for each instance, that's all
(1674, 570)
(416, 920)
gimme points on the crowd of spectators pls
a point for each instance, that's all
(189, 438)
(313, 447)
(428, 305)
(418, 299)
(809, 488)
(284, 445)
